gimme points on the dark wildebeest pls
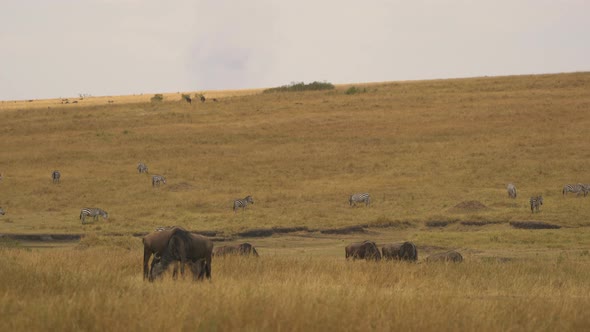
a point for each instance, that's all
(215, 99)
(188, 99)
(245, 249)
(363, 250)
(449, 256)
(202, 99)
(155, 243)
(185, 247)
(401, 251)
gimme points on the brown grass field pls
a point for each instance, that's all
(423, 149)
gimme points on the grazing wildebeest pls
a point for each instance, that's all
(155, 243)
(215, 99)
(363, 250)
(401, 251)
(245, 249)
(449, 256)
(197, 267)
(202, 99)
(188, 99)
(511, 190)
(2, 211)
(185, 247)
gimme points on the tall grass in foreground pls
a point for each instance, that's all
(101, 289)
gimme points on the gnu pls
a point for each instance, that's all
(55, 176)
(94, 213)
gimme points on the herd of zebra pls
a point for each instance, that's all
(537, 201)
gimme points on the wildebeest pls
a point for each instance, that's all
(401, 251)
(188, 99)
(449, 256)
(155, 243)
(363, 250)
(202, 99)
(245, 249)
(185, 247)
(511, 190)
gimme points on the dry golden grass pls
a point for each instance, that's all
(420, 148)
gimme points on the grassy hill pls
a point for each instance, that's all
(420, 148)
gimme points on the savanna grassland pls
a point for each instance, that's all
(420, 148)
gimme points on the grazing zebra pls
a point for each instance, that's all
(55, 176)
(242, 203)
(2, 211)
(142, 168)
(357, 198)
(92, 212)
(164, 228)
(157, 179)
(536, 202)
(574, 188)
(585, 188)
(511, 190)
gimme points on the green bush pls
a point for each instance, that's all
(300, 86)
(157, 98)
(354, 90)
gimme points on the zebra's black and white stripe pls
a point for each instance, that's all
(358, 198)
(94, 213)
(574, 188)
(242, 203)
(55, 176)
(157, 179)
(511, 190)
(164, 228)
(536, 202)
(142, 168)
(2, 211)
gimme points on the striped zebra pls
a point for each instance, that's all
(536, 202)
(585, 188)
(2, 211)
(142, 168)
(94, 213)
(242, 203)
(574, 188)
(511, 190)
(357, 198)
(55, 176)
(164, 228)
(157, 179)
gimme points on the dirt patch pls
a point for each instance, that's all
(345, 230)
(265, 232)
(42, 237)
(440, 223)
(469, 206)
(183, 186)
(480, 223)
(391, 224)
(533, 225)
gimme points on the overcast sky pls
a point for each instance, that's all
(60, 48)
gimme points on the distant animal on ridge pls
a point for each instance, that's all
(358, 198)
(242, 203)
(536, 202)
(55, 176)
(94, 213)
(401, 251)
(245, 249)
(511, 190)
(157, 179)
(362, 250)
(142, 168)
(202, 99)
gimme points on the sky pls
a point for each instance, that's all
(63, 48)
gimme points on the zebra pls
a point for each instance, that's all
(242, 203)
(164, 228)
(357, 198)
(94, 213)
(574, 188)
(142, 168)
(157, 179)
(55, 176)
(2, 211)
(536, 202)
(511, 190)
(585, 188)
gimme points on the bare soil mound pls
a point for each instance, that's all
(469, 206)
